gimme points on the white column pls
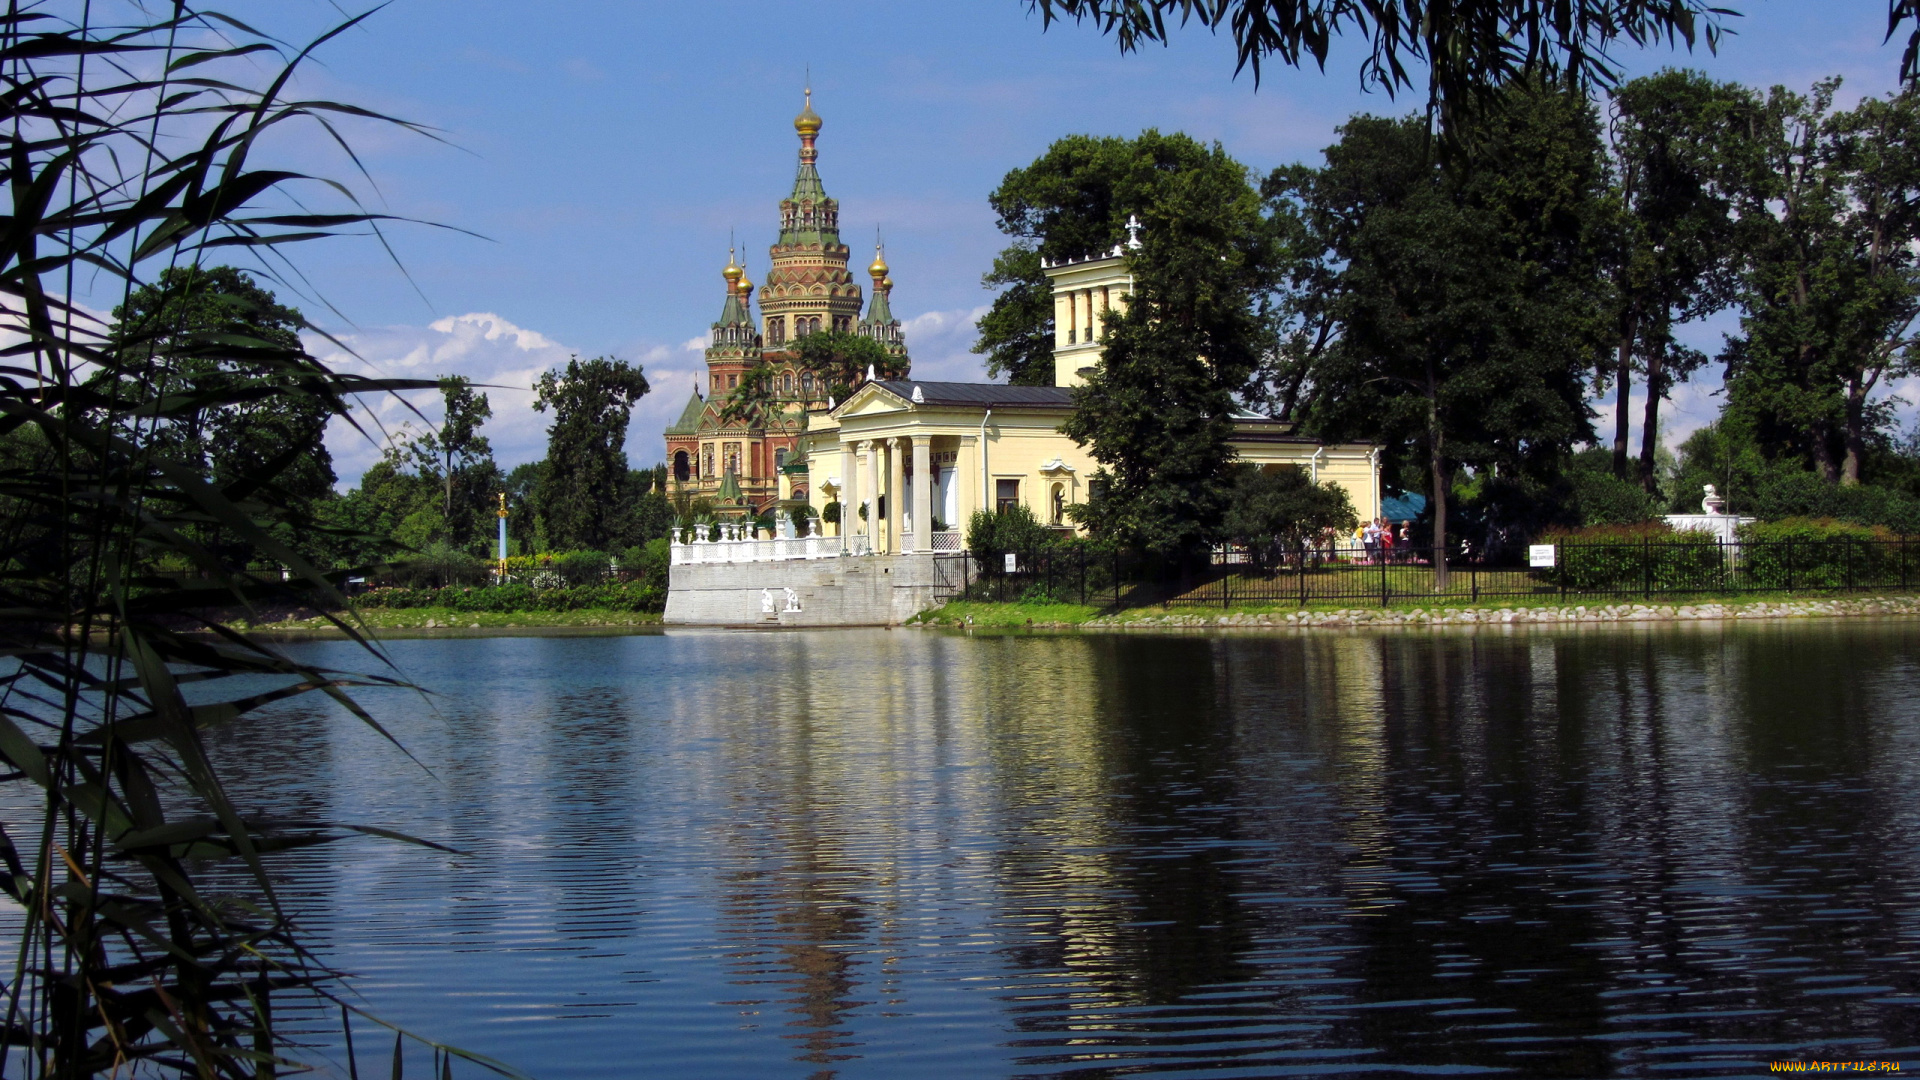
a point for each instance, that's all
(872, 494)
(849, 488)
(896, 483)
(968, 462)
(922, 493)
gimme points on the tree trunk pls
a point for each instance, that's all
(1622, 384)
(1822, 439)
(1650, 425)
(1855, 435)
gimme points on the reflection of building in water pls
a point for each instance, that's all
(819, 865)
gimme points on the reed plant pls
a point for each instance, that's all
(131, 134)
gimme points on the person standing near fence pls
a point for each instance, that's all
(1370, 539)
(1386, 541)
(1406, 541)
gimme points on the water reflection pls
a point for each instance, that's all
(887, 853)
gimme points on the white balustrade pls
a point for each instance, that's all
(744, 549)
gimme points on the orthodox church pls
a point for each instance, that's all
(740, 463)
(911, 460)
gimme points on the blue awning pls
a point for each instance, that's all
(1405, 506)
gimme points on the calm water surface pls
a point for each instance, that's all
(1678, 851)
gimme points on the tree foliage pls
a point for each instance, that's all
(840, 360)
(1830, 216)
(1466, 291)
(1278, 512)
(592, 402)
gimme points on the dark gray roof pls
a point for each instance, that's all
(997, 395)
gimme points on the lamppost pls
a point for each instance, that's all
(503, 538)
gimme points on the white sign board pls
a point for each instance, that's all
(1540, 556)
(1012, 564)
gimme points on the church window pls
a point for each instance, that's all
(706, 460)
(731, 458)
(1006, 495)
(786, 383)
(733, 381)
(779, 459)
(682, 468)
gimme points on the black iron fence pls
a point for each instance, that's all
(1644, 569)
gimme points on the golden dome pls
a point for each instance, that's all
(886, 283)
(879, 267)
(733, 273)
(808, 122)
(745, 285)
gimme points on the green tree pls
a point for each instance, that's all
(583, 496)
(207, 348)
(1016, 333)
(1275, 512)
(840, 360)
(1673, 141)
(1830, 213)
(1469, 302)
(1157, 414)
(462, 460)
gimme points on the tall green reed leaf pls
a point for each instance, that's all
(128, 137)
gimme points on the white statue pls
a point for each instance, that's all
(1713, 503)
(793, 599)
(766, 601)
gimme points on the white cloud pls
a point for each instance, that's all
(941, 344)
(504, 359)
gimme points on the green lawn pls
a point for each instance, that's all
(447, 618)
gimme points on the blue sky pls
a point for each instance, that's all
(606, 150)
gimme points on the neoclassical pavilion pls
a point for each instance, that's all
(989, 446)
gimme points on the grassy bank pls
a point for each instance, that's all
(1508, 609)
(437, 618)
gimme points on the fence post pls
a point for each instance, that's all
(1903, 562)
(1473, 572)
(1116, 576)
(1789, 564)
(1646, 567)
(1849, 549)
(1226, 589)
(1383, 579)
(1083, 576)
(1303, 581)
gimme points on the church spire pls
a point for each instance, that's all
(879, 323)
(809, 216)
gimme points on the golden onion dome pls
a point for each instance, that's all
(733, 273)
(886, 283)
(808, 122)
(745, 285)
(879, 267)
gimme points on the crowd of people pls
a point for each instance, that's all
(1382, 544)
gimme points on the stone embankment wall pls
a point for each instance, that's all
(1583, 614)
(860, 590)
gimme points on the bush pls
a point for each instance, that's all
(578, 568)
(1820, 553)
(1647, 555)
(1804, 495)
(441, 564)
(517, 596)
(993, 533)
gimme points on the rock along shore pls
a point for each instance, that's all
(1583, 614)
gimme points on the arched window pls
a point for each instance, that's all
(786, 383)
(682, 468)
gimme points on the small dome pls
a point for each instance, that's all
(746, 286)
(886, 283)
(808, 122)
(733, 273)
(879, 267)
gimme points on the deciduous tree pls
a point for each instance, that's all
(581, 497)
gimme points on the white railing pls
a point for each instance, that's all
(691, 546)
(947, 540)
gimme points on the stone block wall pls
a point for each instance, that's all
(865, 590)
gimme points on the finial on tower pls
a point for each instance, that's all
(808, 122)
(1133, 232)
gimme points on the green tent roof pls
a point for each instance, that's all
(689, 421)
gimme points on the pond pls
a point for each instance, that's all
(1650, 851)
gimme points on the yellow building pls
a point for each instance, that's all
(989, 446)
